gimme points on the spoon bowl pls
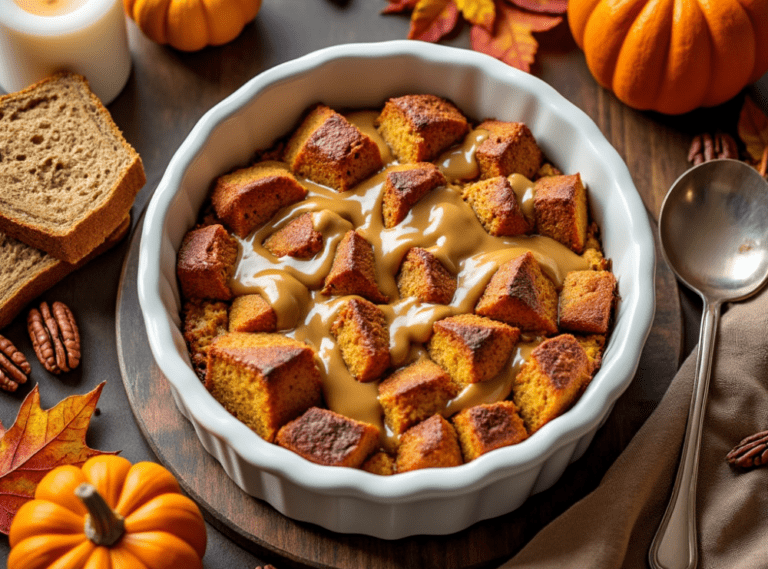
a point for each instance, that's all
(713, 229)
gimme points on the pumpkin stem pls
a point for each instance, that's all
(103, 526)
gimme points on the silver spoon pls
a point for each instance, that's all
(713, 228)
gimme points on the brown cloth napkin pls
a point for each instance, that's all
(612, 527)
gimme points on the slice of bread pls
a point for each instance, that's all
(68, 176)
(26, 272)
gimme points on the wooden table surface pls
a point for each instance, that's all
(168, 91)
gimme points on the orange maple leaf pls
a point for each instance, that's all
(753, 129)
(478, 12)
(433, 19)
(397, 6)
(39, 441)
(546, 6)
(512, 40)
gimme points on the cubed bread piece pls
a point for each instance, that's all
(353, 270)
(203, 320)
(247, 198)
(264, 380)
(560, 209)
(593, 250)
(251, 313)
(551, 380)
(327, 438)
(483, 428)
(520, 294)
(424, 277)
(593, 345)
(419, 127)
(587, 300)
(206, 262)
(471, 348)
(362, 335)
(329, 150)
(494, 202)
(415, 393)
(509, 149)
(296, 239)
(431, 443)
(405, 185)
(380, 463)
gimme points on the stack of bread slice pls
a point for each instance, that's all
(68, 180)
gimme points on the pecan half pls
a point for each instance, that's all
(751, 451)
(14, 367)
(55, 337)
(706, 147)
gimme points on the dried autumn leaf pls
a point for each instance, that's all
(545, 6)
(40, 440)
(753, 129)
(478, 12)
(433, 19)
(512, 39)
(398, 6)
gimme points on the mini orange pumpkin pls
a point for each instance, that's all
(672, 56)
(108, 514)
(190, 25)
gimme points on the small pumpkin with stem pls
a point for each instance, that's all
(108, 514)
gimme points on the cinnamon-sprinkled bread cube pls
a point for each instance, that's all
(247, 198)
(419, 127)
(471, 348)
(206, 262)
(251, 313)
(509, 149)
(486, 427)
(380, 463)
(430, 444)
(551, 380)
(298, 238)
(495, 204)
(264, 380)
(560, 209)
(327, 438)
(353, 270)
(587, 300)
(424, 277)
(520, 294)
(415, 393)
(405, 185)
(362, 335)
(202, 321)
(329, 150)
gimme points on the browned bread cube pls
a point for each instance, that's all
(593, 345)
(264, 380)
(206, 262)
(329, 150)
(203, 320)
(353, 270)
(419, 127)
(380, 463)
(560, 209)
(405, 185)
(431, 443)
(551, 380)
(471, 348)
(297, 239)
(362, 335)
(593, 250)
(587, 300)
(520, 294)
(251, 313)
(494, 202)
(247, 198)
(327, 438)
(509, 149)
(483, 428)
(424, 277)
(415, 393)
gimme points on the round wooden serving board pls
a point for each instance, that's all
(259, 528)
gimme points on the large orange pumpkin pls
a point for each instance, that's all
(672, 56)
(108, 514)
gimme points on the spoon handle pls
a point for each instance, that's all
(675, 543)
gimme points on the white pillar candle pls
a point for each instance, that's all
(41, 37)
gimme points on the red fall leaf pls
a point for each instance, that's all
(545, 6)
(399, 6)
(39, 441)
(512, 39)
(433, 19)
(753, 129)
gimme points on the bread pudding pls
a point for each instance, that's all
(422, 286)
